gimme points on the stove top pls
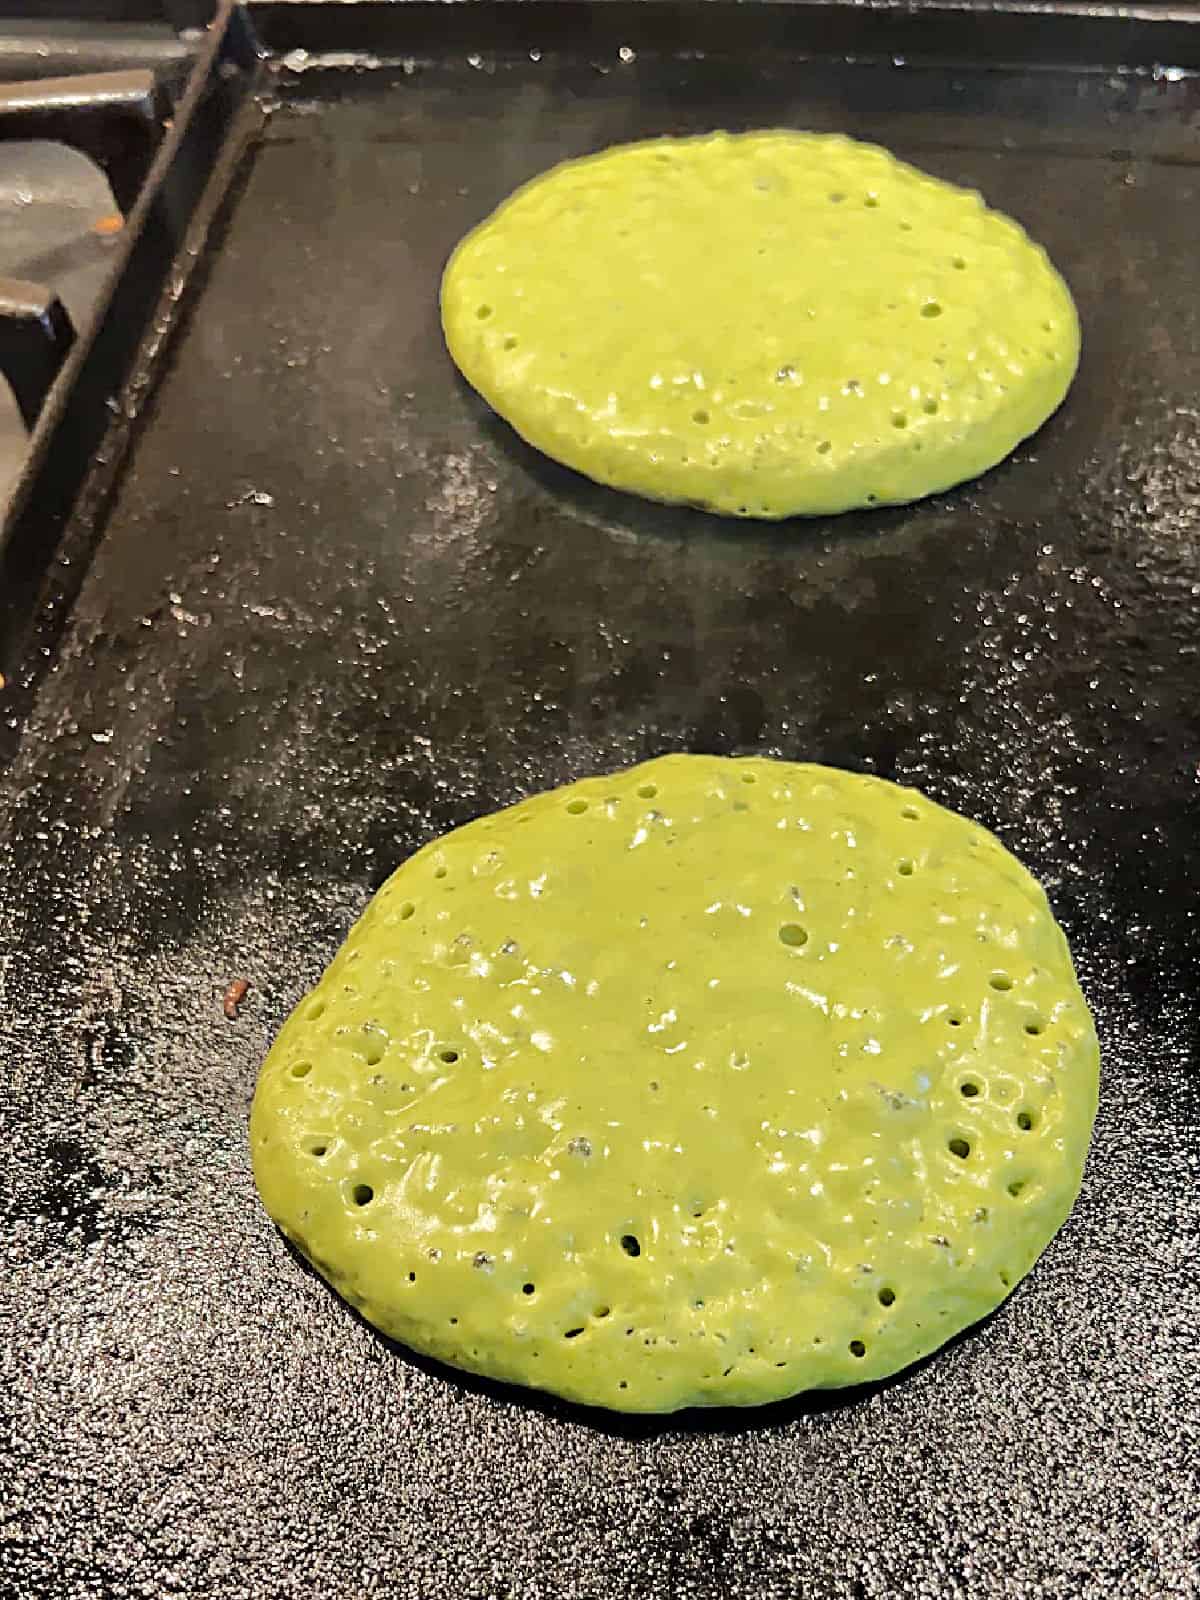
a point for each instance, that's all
(108, 141)
(83, 108)
(280, 600)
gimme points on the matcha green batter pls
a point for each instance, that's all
(700, 1084)
(766, 325)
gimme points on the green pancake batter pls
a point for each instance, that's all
(700, 1084)
(765, 325)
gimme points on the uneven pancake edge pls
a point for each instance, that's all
(521, 1142)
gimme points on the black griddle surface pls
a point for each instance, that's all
(336, 609)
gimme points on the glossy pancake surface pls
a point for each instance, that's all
(765, 324)
(703, 1083)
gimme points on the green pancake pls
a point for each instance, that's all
(765, 325)
(704, 1083)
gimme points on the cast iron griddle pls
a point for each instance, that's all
(335, 609)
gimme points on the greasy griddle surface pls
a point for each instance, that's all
(338, 609)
